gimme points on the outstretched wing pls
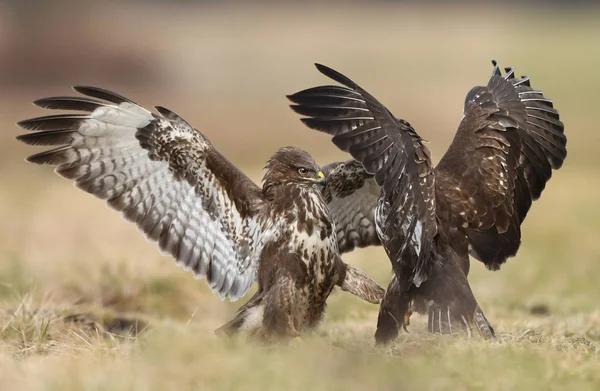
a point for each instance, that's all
(503, 154)
(389, 149)
(351, 194)
(161, 174)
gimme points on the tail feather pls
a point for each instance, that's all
(454, 307)
(483, 325)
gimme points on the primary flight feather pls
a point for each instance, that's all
(166, 177)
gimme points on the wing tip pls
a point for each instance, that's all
(509, 72)
(322, 68)
(335, 75)
(496, 71)
(28, 138)
(308, 122)
(101, 93)
(296, 108)
(83, 89)
(43, 158)
(295, 97)
(23, 124)
(41, 103)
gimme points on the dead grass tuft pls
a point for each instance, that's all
(87, 303)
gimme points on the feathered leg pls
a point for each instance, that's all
(267, 316)
(394, 312)
(280, 306)
(360, 284)
(248, 318)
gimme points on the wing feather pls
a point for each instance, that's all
(162, 174)
(502, 156)
(389, 149)
(351, 195)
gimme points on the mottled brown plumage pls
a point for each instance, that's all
(429, 220)
(166, 176)
(351, 194)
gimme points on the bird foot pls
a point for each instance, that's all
(296, 341)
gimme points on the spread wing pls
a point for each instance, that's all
(389, 149)
(510, 140)
(351, 194)
(161, 174)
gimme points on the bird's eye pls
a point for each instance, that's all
(303, 171)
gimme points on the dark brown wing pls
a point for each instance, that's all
(389, 149)
(499, 162)
(161, 174)
(351, 194)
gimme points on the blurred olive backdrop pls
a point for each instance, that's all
(74, 275)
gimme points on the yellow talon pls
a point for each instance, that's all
(295, 342)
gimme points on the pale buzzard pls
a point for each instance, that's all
(166, 176)
(429, 220)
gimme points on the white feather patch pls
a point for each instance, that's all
(254, 319)
(416, 237)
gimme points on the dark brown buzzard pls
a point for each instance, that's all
(430, 219)
(166, 176)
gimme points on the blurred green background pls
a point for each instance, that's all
(226, 67)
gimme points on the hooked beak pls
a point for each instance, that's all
(321, 179)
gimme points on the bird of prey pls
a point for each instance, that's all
(166, 176)
(473, 202)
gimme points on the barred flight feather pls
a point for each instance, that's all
(152, 168)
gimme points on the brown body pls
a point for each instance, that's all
(301, 266)
(429, 220)
(298, 270)
(167, 178)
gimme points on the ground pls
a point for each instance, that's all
(87, 303)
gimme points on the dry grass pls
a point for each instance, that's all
(87, 303)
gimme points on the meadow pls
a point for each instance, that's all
(87, 303)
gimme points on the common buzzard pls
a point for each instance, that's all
(430, 219)
(166, 176)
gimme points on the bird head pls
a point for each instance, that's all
(292, 166)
